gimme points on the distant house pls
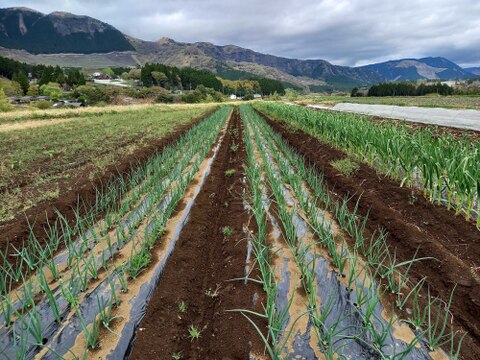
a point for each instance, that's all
(67, 103)
(450, 83)
(233, 97)
(257, 96)
(26, 99)
(100, 76)
(178, 92)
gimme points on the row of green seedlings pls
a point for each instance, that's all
(448, 169)
(375, 251)
(386, 267)
(137, 260)
(273, 337)
(115, 200)
(298, 250)
(326, 335)
(78, 282)
(78, 250)
(141, 251)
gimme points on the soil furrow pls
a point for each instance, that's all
(412, 223)
(206, 257)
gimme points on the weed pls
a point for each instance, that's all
(230, 172)
(227, 231)
(177, 355)
(182, 307)
(346, 166)
(194, 333)
(213, 293)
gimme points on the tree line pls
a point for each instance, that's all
(406, 89)
(172, 78)
(44, 74)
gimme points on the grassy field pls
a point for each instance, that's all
(453, 102)
(42, 148)
(29, 114)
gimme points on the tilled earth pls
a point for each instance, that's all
(198, 272)
(412, 224)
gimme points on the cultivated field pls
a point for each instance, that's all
(47, 153)
(255, 231)
(452, 102)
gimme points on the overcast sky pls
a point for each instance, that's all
(346, 32)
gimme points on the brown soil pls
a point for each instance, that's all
(79, 189)
(203, 259)
(412, 223)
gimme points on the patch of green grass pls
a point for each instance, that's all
(346, 166)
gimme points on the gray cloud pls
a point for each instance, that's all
(347, 32)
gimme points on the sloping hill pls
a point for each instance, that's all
(473, 70)
(58, 32)
(209, 56)
(65, 39)
(415, 69)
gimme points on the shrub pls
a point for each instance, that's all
(42, 105)
(4, 102)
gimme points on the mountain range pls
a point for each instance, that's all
(71, 40)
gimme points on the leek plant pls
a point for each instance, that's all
(446, 168)
(283, 166)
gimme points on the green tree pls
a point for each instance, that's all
(21, 78)
(47, 76)
(11, 88)
(58, 75)
(291, 94)
(108, 72)
(160, 78)
(33, 90)
(135, 74)
(52, 90)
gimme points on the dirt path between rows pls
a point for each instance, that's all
(33, 124)
(204, 260)
(412, 223)
(79, 189)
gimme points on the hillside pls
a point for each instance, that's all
(58, 32)
(209, 56)
(70, 40)
(473, 70)
(416, 69)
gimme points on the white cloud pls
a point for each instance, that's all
(347, 32)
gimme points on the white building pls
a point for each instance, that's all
(233, 97)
